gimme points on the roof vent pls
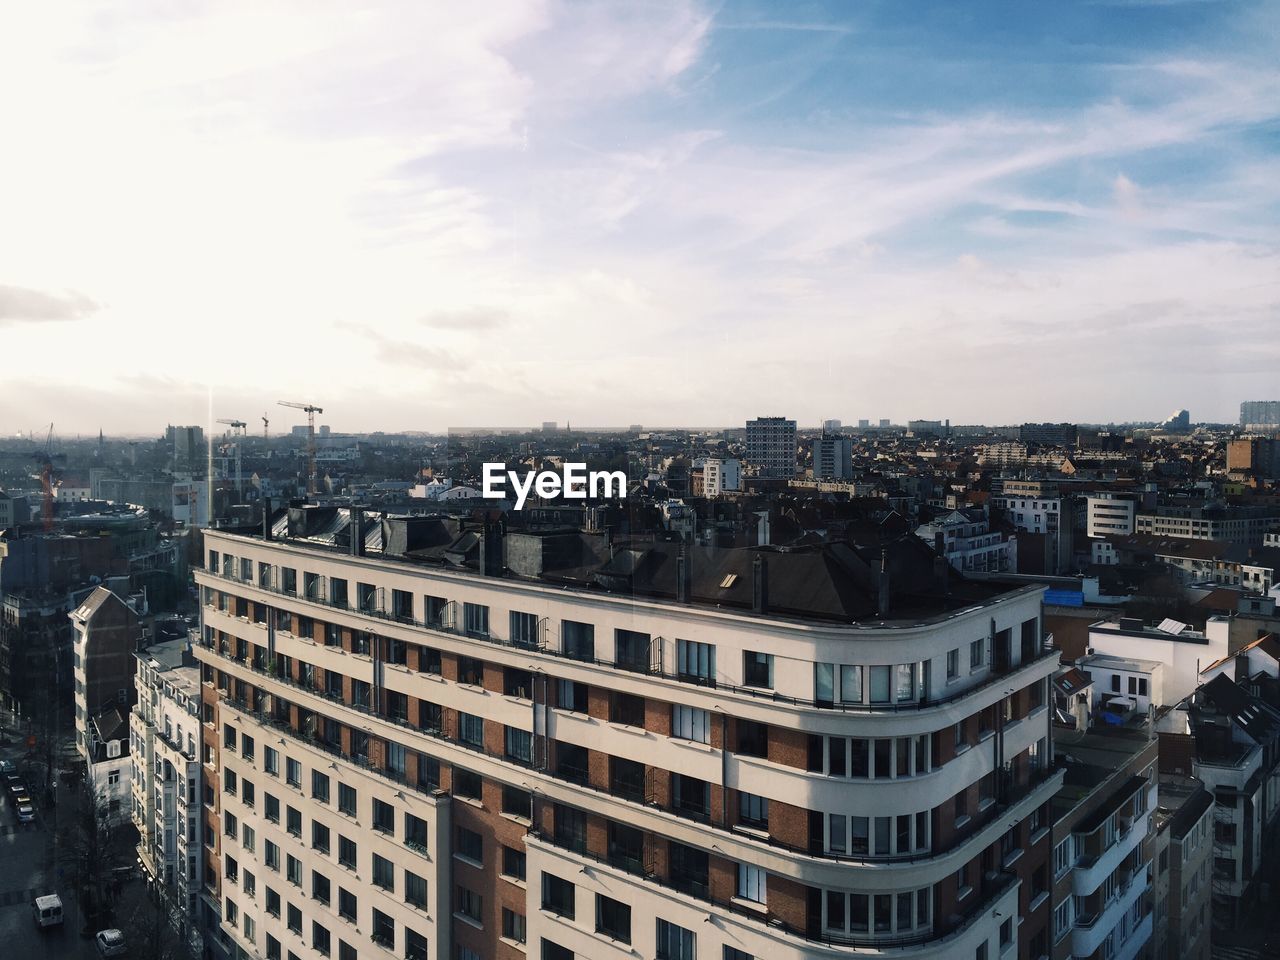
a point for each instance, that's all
(728, 581)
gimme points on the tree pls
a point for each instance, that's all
(84, 850)
(150, 933)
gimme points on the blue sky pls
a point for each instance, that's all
(666, 213)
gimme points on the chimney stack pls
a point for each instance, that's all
(266, 518)
(941, 567)
(760, 584)
(682, 575)
(882, 602)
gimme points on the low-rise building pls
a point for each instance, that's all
(1183, 860)
(969, 543)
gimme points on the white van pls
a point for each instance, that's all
(47, 911)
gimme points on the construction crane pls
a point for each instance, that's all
(238, 430)
(45, 459)
(265, 421)
(313, 482)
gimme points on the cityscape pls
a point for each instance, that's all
(680, 480)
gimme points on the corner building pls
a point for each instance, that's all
(467, 751)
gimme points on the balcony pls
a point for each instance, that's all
(1092, 929)
(1090, 872)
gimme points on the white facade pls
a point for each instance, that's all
(721, 476)
(1108, 515)
(1183, 655)
(168, 779)
(970, 545)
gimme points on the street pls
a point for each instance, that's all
(29, 868)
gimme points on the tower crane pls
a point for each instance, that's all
(311, 410)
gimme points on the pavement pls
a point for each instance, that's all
(29, 867)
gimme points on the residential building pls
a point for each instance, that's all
(771, 446)
(1242, 525)
(105, 635)
(969, 544)
(1183, 858)
(665, 751)
(1035, 507)
(14, 509)
(1255, 456)
(1260, 413)
(1181, 651)
(1048, 434)
(833, 426)
(167, 776)
(833, 458)
(1101, 866)
(721, 476)
(187, 449)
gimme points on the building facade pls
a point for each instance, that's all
(446, 764)
(832, 458)
(1109, 515)
(771, 446)
(1184, 861)
(1260, 413)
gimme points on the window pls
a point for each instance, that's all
(415, 890)
(346, 799)
(384, 930)
(690, 723)
(293, 821)
(517, 683)
(475, 619)
(246, 746)
(319, 786)
(570, 828)
(676, 943)
(626, 779)
(384, 817)
(295, 919)
(384, 873)
(320, 887)
(626, 709)
(753, 738)
(471, 729)
(293, 772)
(273, 903)
(524, 630)
(632, 651)
(247, 793)
(613, 918)
(471, 671)
(571, 695)
(513, 926)
(579, 640)
(271, 761)
(415, 945)
(466, 783)
(293, 870)
(229, 737)
(977, 654)
(517, 802)
(953, 664)
(753, 811)
(625, 848)
(513, 863)
(1062, 919)
(346, 852)
(757, 669)
(415, 833)
(346, 905)
(690, 795)
(751, 882)
(558, 896)
(696, 662)
(733, 953)
(470, 903)
(518, 745)
(470, 845)
(571, 762)
(319, 836)
(271, 854)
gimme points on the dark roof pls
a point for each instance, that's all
(1252, 715)
(1072, 680)
(1189, 814)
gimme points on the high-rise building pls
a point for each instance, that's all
(1048, 434)
(831, 426)
(1258, 456)
(1260, 413)
(864, 424)
(187, 450)
(884, 422)
(833, 458)
(771, 446)
(497, 757)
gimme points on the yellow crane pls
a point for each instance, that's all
(313, 481)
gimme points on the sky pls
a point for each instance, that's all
(665, 212)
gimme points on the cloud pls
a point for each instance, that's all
(22, 305)
(471, 320)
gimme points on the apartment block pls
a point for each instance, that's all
(466, 751)
(771, 446)
(1184, 861)
(168, 782)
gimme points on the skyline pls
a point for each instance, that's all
(424, 217)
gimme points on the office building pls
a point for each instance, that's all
(668, 752)
(1264, 414)
(831, 426)
(771, 446)
(1110, 514)
(1048, 434)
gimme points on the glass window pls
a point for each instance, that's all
(696, 662)
(879, 684)
(850, 683)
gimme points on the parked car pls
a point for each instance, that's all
(110, 943)
(26, 810)
(47, 910)
(17, 788)
(6, 766)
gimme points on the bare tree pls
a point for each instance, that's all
(84, 849)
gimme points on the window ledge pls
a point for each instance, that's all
(752, 905)
(1038, 901)
(478, 804)
(962, 748)
(628, 728)
(986, 802)
(752, 831)
(963, 892)
(463, 858)
(474, 687)
(522, 702)
(962, 821)
(469, 921)
(514, 881)
(516, 818)
(1039, 835)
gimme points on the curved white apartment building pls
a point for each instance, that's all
(415, 759)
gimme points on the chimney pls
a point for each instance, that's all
(882, 602)
(356, 528)
(491, 558)
(760, 584)
(682, 575)
(941, 568)
(266, 518)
